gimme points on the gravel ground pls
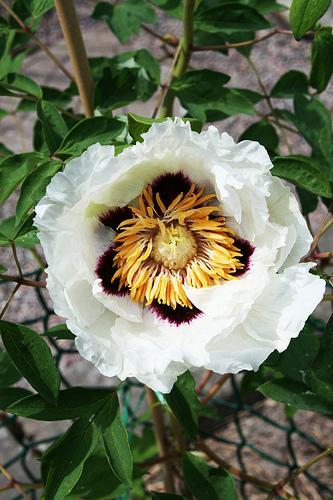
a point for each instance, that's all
(273, 58)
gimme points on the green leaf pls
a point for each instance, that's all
(262, 132)
(184, 403)
(9, 62)
(138, 125)
(72, 403)
(97, 481)
(308, 201)
(8, 373)
(12, 395)
(34, 187)
(14, 169)
(28, 239)
(4, 151)
(304, 172)
(90, 131)
(320, 376)
(295, 394)
(132, 76)
(232, 18)
(115, 440)
(17, 83)
(54, 126)
(32, 357)
(199, 81)
(307, 113)
(205, 482)
(155, 495)
(23, 234)
(144, 447)
(289, 84)
(298, 358)
(202, 92)
(125, 18)
(321, 59)
(145, 60)
(172, 7)
(263, 6)
(40, 7)
(59, 332)
(304, 14)
(2, 269)
(67, 457)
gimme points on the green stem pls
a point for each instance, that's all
(182, 56)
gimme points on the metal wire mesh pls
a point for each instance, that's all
(237, 408)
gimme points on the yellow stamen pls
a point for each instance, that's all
(161, 249)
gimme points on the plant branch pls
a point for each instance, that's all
(230, 468)
(9, 300)
(269, 102)
(281, 125)
(159, 460)
(278, 488)
(23, 281)
(18, 265)
(32, 98)
(181, 58)
(13, 483)
(77, 52)
(40, 44)
(204, 381)
(18, 485)
(168, 38)
(246, 43)
(215, 388)
(325, 225)
(322, 255)
(161, 438)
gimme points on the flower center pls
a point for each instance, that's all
(174, 246)
(166, 242)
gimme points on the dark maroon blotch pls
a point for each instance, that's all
(105, 272)
(170, 186)
(113, 217)
(247, 250)
(177, 316)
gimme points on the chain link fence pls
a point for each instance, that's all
(228, 434)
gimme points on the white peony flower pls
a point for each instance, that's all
(182, 251)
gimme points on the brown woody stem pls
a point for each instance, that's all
(23, 281)
(161, 438)
(77, 52)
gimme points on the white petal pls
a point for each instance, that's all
(232, 300)
(284, 210)
(84, 307)
(277, 316)
(121, 305)
(243, 320)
